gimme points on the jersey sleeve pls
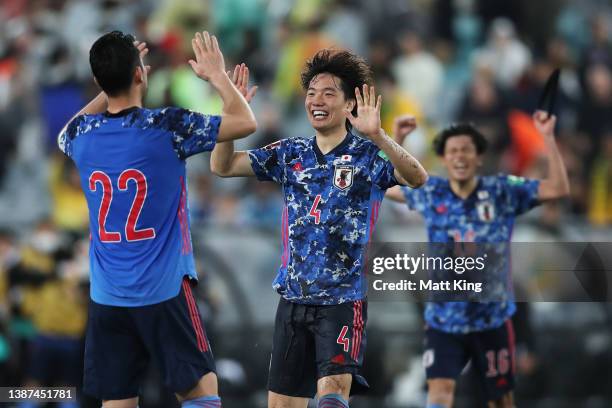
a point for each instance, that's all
(267, 162)
(522, 193)
(192, 132)
(417, 199)
(68, 134)
(383, 172)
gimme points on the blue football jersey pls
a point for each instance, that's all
(331, 204)
(486, 216)
(132, 170)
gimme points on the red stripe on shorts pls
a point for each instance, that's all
(195, 317)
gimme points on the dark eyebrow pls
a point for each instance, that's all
(329, 88)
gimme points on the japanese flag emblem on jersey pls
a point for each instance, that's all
(343, 176)
(486, 211)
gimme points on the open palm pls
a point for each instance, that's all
(208, 57)
(367, 121)
(240, 78)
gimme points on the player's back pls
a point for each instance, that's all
(133, 175)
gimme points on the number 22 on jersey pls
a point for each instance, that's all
(131, 233)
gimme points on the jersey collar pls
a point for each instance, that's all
(333, 152)
(472, 194)
(121, 113)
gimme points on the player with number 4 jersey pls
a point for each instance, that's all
(333, 184)
(131, 161)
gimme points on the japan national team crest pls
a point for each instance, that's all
(486, 211)
(343, 176)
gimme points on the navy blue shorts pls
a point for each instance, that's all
(120, 341)
(491, 353)
(311, 342)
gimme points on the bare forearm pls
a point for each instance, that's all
(235, 107)
(221, 158)
(405, 164)
(557, 182)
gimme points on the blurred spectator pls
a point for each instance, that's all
(419, 74)
(69, 206)
(50, 296)
(342, 18)
(484, 104)
(505, 55)
(594, 112)
(599, 50)
(600, 209)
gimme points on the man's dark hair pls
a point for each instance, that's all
(113, 59)
(352, 70)
(460, 129)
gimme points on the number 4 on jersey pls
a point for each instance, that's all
(131, 233)
(314, 212)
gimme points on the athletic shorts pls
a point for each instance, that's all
(311, 342)
(120, 342)
(490, 351)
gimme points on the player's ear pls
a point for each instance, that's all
(350, 104)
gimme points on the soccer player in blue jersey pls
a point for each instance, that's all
(333, 184)
(482, 209)
(131, 161)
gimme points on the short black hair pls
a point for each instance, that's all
(113, 59)
(460, 129)
(352, 70)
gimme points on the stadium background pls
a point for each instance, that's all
(441, 60)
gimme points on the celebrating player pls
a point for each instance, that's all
(131, 161)
(333, 185)
(481, 209)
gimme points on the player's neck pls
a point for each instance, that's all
(121, 102)
(463, 189)
(330, 139)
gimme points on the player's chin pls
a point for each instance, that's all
(462, 176)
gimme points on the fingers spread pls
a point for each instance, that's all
(207, 42)
(197, 49)
(366, 95)
(358, 97)
(236, 75)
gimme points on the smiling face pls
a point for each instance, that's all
(325, 103)
(461, 158)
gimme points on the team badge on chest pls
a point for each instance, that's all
(343, 176)
(486, 211)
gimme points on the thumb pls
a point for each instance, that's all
(349, 115)
(252, 92)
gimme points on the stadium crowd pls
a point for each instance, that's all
(441, 60)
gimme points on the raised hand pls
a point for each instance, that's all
(208, 61)
(402, 127)
(545, 124)
(367, 121)
(143, 51)
(240, 78)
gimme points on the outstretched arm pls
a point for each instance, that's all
(408, 170)
(556, 184)
(224, 161)
(395, 194)
(237, 120)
